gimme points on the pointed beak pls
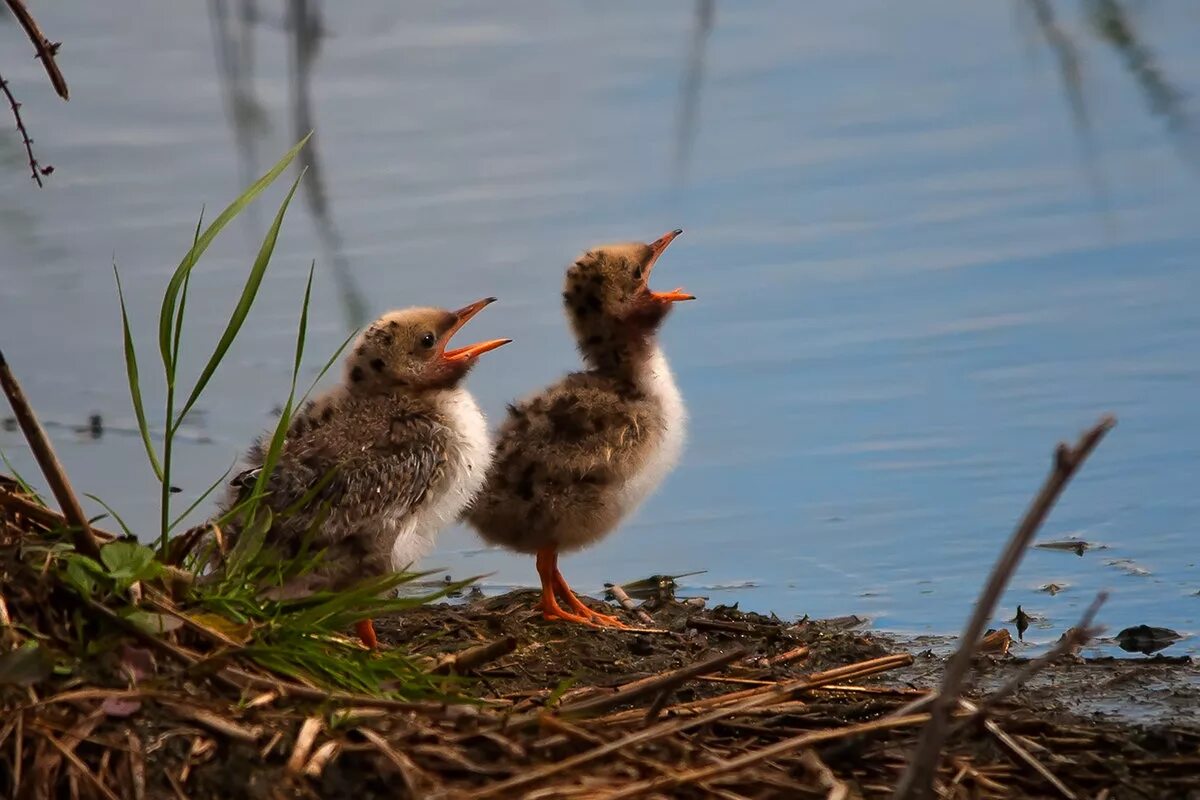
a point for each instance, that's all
(656, 249)
(472, 350)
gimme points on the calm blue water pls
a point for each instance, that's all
(913, 279)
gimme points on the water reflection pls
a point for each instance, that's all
(307, 31)
(689, 90)
(234, 39)
(1113, 24)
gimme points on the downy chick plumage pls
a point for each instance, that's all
(575, 459)
(379, 464)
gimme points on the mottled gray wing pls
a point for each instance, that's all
(393, 471)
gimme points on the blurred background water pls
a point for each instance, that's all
(929, 239)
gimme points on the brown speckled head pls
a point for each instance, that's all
(407, 349)
(613, 310)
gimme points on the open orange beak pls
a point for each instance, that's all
(656, 249)
(472, 350)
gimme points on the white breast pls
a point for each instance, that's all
(659, 384)
(467, 459)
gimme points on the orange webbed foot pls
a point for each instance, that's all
(600, 620)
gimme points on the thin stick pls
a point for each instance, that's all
(757, 698)
(46, 517)
(77, 763)
(763, 754)
(622, 597)
(1077, 636)
(85, 541)
(917, 781)
(476, 656)
(1020, 752)
(35, 166)
(46, 50)
(825, 777)
(658, 683)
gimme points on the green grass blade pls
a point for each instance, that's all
(128, 532)
(216, 484)
(135, 386)
(167, 313)
(26, 487)
(183, 271)
(249, 292)
(303, 332)
(328, 364)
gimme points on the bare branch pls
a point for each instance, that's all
(917, 781)
(34, 166)
(85, 540)
(46, 49)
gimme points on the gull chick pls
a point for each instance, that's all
(379, 464)
(575, 459)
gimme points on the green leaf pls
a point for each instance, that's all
(167, 313)
(83, 573)
(240, 312)
(135, 385)
(153, 622)
(25, 666)
(128, 562)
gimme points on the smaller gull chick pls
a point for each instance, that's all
(379, 464)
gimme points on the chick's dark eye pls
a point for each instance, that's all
(427, 340)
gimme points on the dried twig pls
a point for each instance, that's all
(85, 541)
(80, 767)
(1077, 636)
(305, 740)
(215, 722)
(46, 49)
(409, 772)
(622, 597)
(755, 698)
(762, 754)
(477, 656)
(825, 777)
(654, 685)
(917, 781)
(1022, 755)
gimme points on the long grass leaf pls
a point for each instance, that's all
(215, 485)
(26, 487)
(303, 331)
(135, 385)
(245, 302)
(167, 314)
(328, 364)
(128, 531)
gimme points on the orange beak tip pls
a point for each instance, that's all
(474, 350)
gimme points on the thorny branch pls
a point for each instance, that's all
(34, 166)
(46, 50)
(917, 781)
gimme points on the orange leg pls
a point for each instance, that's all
(553, 580)
(366, 632)
(547, 567)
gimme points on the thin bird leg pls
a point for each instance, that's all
(366, 632)
(547, 567)
(603, 620)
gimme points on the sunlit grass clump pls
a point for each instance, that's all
(211, 597)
